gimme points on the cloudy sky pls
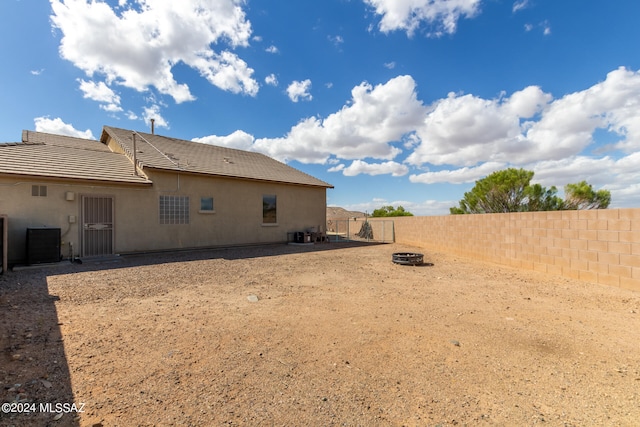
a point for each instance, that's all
(392, 102)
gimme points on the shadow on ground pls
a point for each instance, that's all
(186, 255)
(34, 373)
(35, 385)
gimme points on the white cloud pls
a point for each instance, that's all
(560, 172)
(271, 80)
(552, 137)
(58, 127)
(472, 137)
(465, 129)
(427, 207)
(546, 27)
(111, 108)
(153, 112)
(519, 5)
(37, 72)
(226, 71)
(238, 139)
(458, 176)
(529, 126)
(336, 40)
(299, 90)
(441, 15)
(366, 127)
(430, 207)
(390, 65)
(137, 47)
(358, 167)
(102, 93)
(567, 125)
(337, 168)
(272, 49)
(621, 176)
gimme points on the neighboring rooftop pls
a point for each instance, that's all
(336, 212)
(55, 156)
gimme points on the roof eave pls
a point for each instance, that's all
(35, 176)
(218, 175)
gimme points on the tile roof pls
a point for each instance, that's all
(56, 156)
(161, 152)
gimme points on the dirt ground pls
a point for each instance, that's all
(331, 335)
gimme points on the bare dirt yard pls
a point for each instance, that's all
(331, 334)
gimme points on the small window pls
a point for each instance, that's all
(269, 209)
(174, 210)
(206, 204)
(39, 190)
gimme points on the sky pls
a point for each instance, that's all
(392, 102)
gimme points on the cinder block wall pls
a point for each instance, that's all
(600, 246)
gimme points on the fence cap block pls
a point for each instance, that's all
(608, 214)
(588, 214)
(569, 215)
(632, 213)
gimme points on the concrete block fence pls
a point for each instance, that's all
(600, 246)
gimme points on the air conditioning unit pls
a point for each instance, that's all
(3, 243)
(43, 245)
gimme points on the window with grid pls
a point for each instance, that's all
(39, 190)
(174, 210)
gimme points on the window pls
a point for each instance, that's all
(206, 204)
(39, 190)
(174, 210)
(269, 209)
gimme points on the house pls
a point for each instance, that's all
(134, 192)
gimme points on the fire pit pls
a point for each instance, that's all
(407, 258)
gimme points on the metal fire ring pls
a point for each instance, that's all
(408, 258)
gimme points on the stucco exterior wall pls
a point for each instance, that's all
(237, 218)
(600, 246)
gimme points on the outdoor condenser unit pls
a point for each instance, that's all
(43, 245)
(3, 243)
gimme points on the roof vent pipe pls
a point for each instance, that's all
(153, 121)
(135, 168)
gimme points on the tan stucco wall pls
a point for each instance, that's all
(237, 218)
(600, 246)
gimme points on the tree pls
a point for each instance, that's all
(390, 211)
(503, 191)
(582, 196)
(542, 199)
(510, 190)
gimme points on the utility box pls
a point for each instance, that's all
(43, 245)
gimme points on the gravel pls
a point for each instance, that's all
(337, 334)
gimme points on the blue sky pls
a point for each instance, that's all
(394, 103)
